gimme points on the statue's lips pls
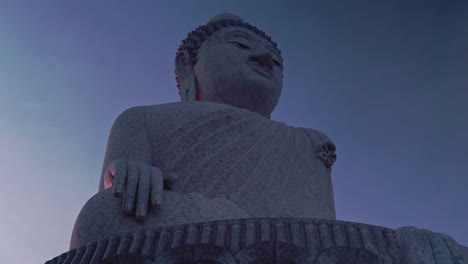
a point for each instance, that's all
(262, 70)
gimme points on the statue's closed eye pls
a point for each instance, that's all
(243, 46)
(240, 45)
(277, 63)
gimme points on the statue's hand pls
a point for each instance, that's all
(139, 183)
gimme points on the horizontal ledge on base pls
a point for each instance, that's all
(275, 240)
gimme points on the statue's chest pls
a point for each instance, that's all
(224, 154)
(243, 158)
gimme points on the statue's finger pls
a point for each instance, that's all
(143, 193)
(170, 181)
(130, 187)
(120, 178)
(156, 187)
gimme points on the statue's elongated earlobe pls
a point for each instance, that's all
(186, 78)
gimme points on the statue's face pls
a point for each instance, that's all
(238, 67)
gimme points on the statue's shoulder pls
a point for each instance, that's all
(323, 146)
(154, 112)
(317, 137)
(169, 115)
(182, 111)
(172, 113)
(131, 115)
(148, 115)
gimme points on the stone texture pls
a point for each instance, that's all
(271, 240)
(424, 246)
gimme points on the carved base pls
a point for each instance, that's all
(271, 240)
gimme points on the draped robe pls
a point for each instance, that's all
(231, 163)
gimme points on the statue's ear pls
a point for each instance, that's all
(186, 76)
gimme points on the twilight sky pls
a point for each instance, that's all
(387, 82)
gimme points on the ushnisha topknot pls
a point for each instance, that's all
(195, 38)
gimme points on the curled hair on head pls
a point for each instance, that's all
(196, 37)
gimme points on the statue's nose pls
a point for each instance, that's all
(264, 58)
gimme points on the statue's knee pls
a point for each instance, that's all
(95, 218)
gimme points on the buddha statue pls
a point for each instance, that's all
(212, 179)
(216, 154)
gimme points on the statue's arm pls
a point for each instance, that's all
(128, 165)
(128, 140)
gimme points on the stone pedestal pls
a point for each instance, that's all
(271, 240)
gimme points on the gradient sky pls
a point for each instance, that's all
(387, 82)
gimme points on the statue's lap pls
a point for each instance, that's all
(102, 215)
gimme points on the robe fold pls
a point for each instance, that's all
(266, 167)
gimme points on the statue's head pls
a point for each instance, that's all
(232, 62)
